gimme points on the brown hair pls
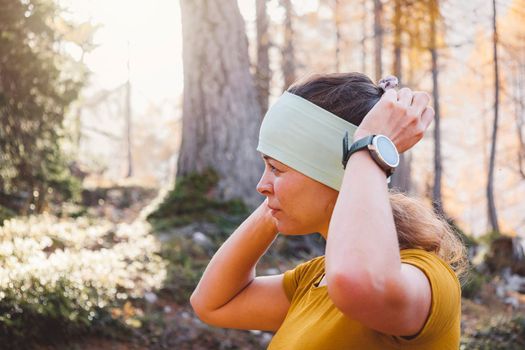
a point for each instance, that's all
(351, 96)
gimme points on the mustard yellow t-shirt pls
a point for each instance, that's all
(314, 322)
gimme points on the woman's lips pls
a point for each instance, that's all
(273, 210)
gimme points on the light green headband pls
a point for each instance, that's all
(306, 138)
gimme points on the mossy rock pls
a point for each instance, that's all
(193, 199)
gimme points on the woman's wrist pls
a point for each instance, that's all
(264, 219)
(361, 133)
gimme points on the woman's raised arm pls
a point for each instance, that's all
(365, 277)
(229, 294)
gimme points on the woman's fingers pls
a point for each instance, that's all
(404, 97)
(427, 117)
(419, 103)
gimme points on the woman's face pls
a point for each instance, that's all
(302, 204)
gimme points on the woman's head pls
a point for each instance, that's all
(305, 205)
(301, 205)
(350, 96)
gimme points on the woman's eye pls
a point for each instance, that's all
(273, 169)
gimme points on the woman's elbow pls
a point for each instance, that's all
(351, 292)
(198, 307)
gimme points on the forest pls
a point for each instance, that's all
(128, 153)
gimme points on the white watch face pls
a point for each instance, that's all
(387, 150)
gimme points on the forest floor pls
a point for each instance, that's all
(164, 319)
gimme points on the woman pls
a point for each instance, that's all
(389, 277)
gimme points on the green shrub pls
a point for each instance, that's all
(502, 335)
(5, 214)
(474, 283)
(59, 277)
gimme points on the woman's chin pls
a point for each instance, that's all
(290, 230)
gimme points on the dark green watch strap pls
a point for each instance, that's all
(356, 146)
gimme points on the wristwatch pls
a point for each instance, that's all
(381, 148)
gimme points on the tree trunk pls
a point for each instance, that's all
(221, 115)
(519, 105)
(127, 131)
(364, 34)
(263, 74)
(401, 179)
(129, 156)
(378, 39)
(288, 53)
(397, 40)
(337, 24)
(437, 200)
(492, 213)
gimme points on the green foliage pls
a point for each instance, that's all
(193, 199)
(5, 214)
(489, 237)
(472, 286)
(37, 84)
(187, 262)
(505, 335)
(59, 278)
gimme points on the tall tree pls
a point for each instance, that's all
(262, 73)
(378, 39)
(434, 12)
(492, 213)
(288, 52)
(401, 179)
(221, 115)
(364, 35)
(36, 90)
(398, 31)
(519, 105)
(338, 36)
(127, 124)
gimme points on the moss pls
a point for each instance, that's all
(193, 199)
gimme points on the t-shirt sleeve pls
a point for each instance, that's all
(445, 310)
(292, 278)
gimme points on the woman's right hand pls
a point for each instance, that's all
(402, 115)
(264, 212)
(229, 294)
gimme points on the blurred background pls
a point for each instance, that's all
(127, 152)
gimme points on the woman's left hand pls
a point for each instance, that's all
(403, 116)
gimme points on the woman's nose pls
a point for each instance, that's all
(264, 186)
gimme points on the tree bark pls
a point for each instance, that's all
(437, 200)
(401, 180)
(338, 39)
(492, 213)
(398, 30)
(288, 52)
(263, 74)
(127, 131)
(221, 115)
(364, 35)
(378, 39)
(519, 105)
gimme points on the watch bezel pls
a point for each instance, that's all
(376, 152)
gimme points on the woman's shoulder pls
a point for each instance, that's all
(425, 260)
(443, 321)
(311, 266)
